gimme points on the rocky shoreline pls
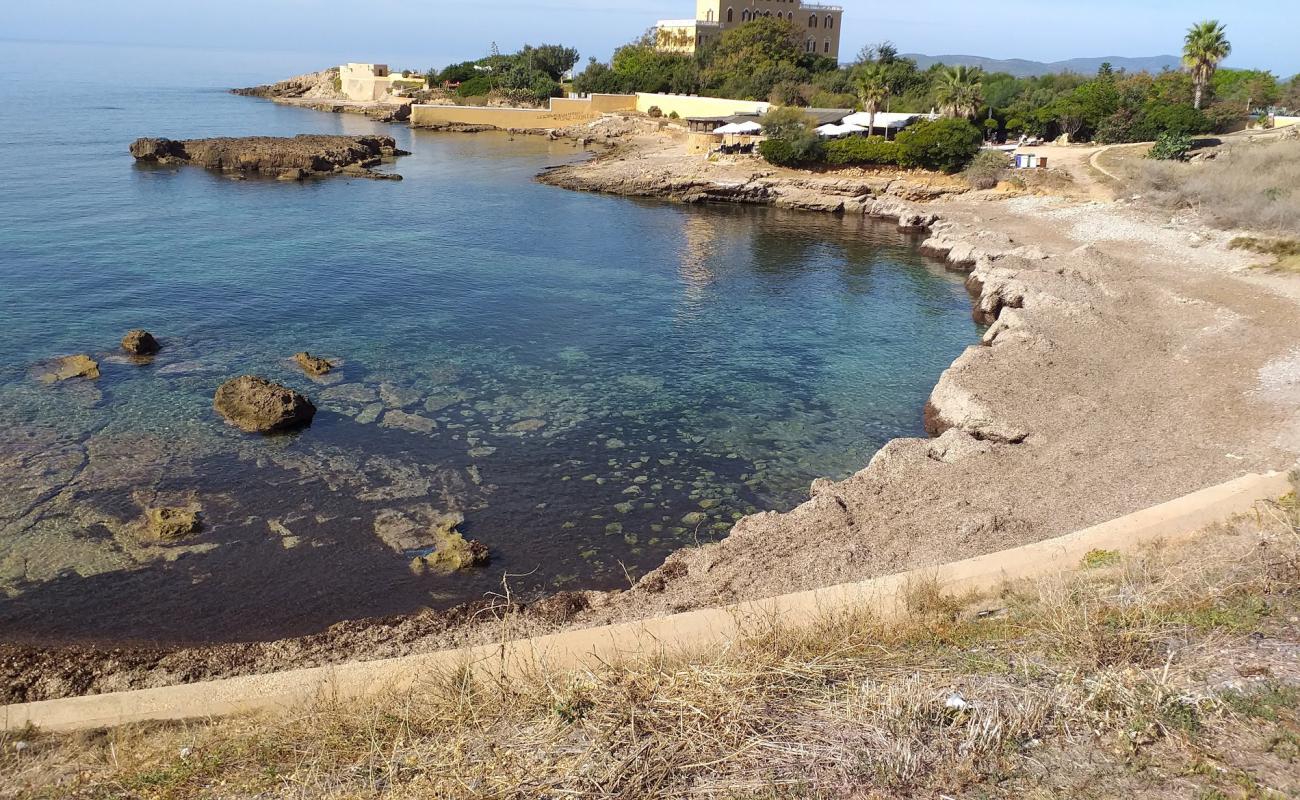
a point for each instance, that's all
(1124, 363)
(286, 158)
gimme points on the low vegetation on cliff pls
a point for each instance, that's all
(1166, 673)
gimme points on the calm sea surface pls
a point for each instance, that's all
(610, 379)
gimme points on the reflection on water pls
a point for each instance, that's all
(591, 382)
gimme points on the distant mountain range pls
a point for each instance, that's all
(1026, 69)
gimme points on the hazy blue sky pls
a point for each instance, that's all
(434, 32)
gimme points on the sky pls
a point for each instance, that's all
(424, 33)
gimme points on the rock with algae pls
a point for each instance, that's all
(140, 343)
(171, 524)
(256, 405)
(69, 367)
(312, 365)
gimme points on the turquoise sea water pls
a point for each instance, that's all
(610, 379)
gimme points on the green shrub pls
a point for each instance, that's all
(655, 112)
(674, 115)
(941, 144)
(987, 169)
(475, 87)
(861, 150)
(790, 152)
(792, 138)
(1170, 147)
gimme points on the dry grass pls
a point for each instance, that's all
(1284, 252)
(1252, 186)
(1140, 676)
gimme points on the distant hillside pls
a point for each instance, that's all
(1024, 69)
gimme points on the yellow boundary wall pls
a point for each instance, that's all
(693, 106)
(1177, 519)
(560, 112)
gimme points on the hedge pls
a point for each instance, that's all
(941, 144)
(860, 150)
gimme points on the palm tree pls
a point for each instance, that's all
(960, 91)
(1205, 46)
(873, 90)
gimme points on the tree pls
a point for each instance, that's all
(960, 91)
(873, 91)
(553, 59)
(1204, 48)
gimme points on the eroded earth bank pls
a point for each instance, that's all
(1129, 358)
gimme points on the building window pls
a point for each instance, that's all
(812, 21)
(826, 48)
(744, 15)
(731, 15)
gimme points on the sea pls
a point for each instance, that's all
(586, 382)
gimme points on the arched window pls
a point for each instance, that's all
(812, 21)
(731, 15)
(826, 48)
(790, 16)
(810, 46)
(744, 15)
(830, 21)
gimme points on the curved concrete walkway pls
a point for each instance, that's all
(1181, 518)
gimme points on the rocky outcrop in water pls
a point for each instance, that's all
(297, 157)
(256, 405)
(312, 365)
(140, 343)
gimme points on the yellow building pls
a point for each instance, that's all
(819, 25)
(372, 82)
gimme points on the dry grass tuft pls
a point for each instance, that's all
(1256, 187)
(1143, 676)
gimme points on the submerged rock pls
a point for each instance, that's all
(256, 405)
(408, 422)
(170, 524)
(312, 365)
(140, 343)
(69, 367)
(449, 549)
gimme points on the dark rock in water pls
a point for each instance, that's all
(170, 524)
(256, 405)
(291, 158)
(69, 367)
(312, 365)
(140, 343)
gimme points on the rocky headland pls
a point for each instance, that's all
(287, 158)
(319, 92)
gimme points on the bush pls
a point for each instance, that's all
(941, 144)
(861, 150)
(655, 112)
(674, 115)
(792, 138)
(1170, 147)
(790, 152)
(475, 87)
(987, 169)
